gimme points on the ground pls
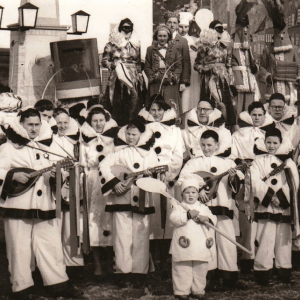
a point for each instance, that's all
(155, 289)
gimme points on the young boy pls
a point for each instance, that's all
(191, 243)
(276, 199)
(221, 203)
(46, 109)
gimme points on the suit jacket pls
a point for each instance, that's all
(183, 48)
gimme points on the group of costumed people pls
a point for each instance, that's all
(227, 161)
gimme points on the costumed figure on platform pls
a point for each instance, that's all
(275, 183)
(163, 67)
(129, 205)
(97, 136)
(220, 201)
(190, 95)
(31, 228)
(200, 119)
(66, 144)
(213, 63)
(280, 63)
(123, 59)
(243, 64)
(181, 44)
(161, 118)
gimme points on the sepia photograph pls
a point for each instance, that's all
(149, 149)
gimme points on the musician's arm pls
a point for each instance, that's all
(5, 165)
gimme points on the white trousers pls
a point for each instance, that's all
(64, 223)
(248, 231)
(274, 240)
(131, 242)
(28, 238)
(189, 277)
(226, 251)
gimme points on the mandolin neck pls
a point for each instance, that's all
(40, 172)
(135, 174)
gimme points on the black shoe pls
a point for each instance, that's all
(24, 295)
(181, 297)
(70, 292)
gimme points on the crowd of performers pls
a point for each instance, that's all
(227, 158)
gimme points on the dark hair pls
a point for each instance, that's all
(210, 134)
(30, 112)
(124, 21)
(276, 96)
(213, 24)
(211, 102)
(75, 110)
(274, 132)
(96, 111)
(43, 105)
(59, 110)
(162, 28)
(137, 122)
(92, 102)
(159, 100)
(254, 105)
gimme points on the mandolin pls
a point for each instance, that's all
(127, 177)
(212, 181)
(16, 188)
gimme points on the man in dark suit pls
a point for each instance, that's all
(172, 21)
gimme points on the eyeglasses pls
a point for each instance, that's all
(280, 108)
(204, 109)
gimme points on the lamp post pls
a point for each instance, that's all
(27, 17)
(80, 22)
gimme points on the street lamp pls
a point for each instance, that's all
(80, 22)
(27, 17)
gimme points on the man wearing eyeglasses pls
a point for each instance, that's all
(205, 116)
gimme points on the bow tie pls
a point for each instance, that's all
(288, 121)
(282, 157)
(243, 124)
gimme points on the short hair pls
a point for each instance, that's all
(162, 28)
(30, 112)
(137, 122)
(58, 111)
(274, 132)
(276, 96)
(211, 102)
(159, 100)
(44, 104)
(255, 105)
(210, 134)
(96, 111)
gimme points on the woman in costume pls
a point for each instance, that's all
(123, 99)
(97, 135)
(163, 67)
(213, 62)
(160, 118)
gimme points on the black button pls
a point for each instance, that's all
(135, 198)
(103, 180)
(105, 232)
(1, 182)
(99, 148)
(101, 157)
(157, 150)
(273, 165)
(171, 183)
(136, 165)
(256, 243)
(37, 156)
(157, 134)
(100, 174)
(39, 193)
(213, 169)
(274, 181)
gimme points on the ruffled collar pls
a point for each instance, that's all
(169, 117)
(88, 133)
(245, 120)
(18, 135)
(144, 144)
(215, 119)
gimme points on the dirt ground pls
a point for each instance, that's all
(154, 287)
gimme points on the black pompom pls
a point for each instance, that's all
(157, 150)
(101, 157)
(157, 134)
(99, 148)
(102, 180)
(105, 232)
(136, 165)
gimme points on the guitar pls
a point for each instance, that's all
(212, 181)
(127, 177)
(16, 188)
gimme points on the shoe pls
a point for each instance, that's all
(198, 296)
(24, 295)
(70, 292)
(181, 297)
